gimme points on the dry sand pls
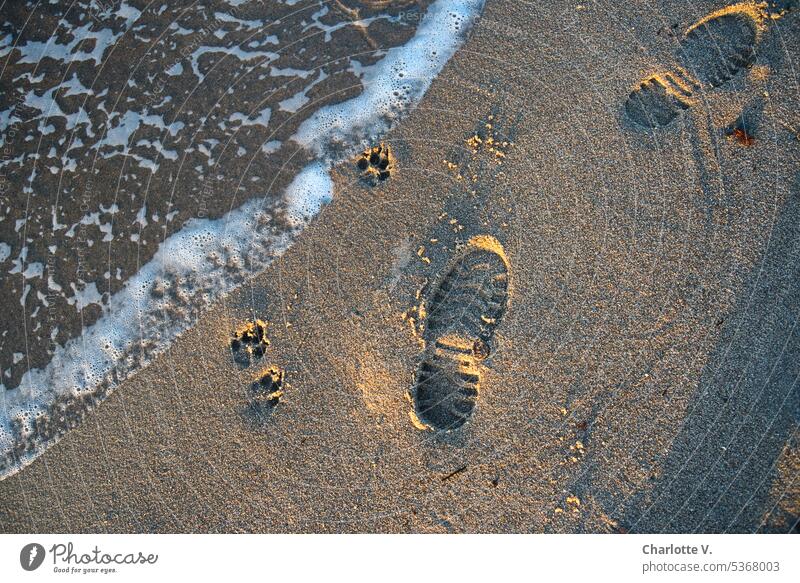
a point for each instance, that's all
(643, 379)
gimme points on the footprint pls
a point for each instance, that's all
(659, 99)
(460, 318)
(267, 391)
(721, 44)
(712, 51)
(264, 395)
(447, 385)
(376, 164)
(249, 343)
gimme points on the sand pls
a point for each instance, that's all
(643, 377)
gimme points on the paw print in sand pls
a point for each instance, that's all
(249, 343)
(266, 392)
(376, 164)
(264, 395)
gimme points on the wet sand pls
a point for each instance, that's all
(643, 377)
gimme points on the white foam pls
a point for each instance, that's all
(241, 24)
(394, 83)
(208, 258)
(308, 193)
(267, 148)
(234, 51)
(85, 297)
(261, 119)
(294, 103)
(34, 51)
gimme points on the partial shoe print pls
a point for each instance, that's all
(712, 52)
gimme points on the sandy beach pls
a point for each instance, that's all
(639, 372)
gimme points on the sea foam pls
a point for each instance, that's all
(209, 258)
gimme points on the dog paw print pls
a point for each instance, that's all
(376, 164)
(266, 392)
(249, 343)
